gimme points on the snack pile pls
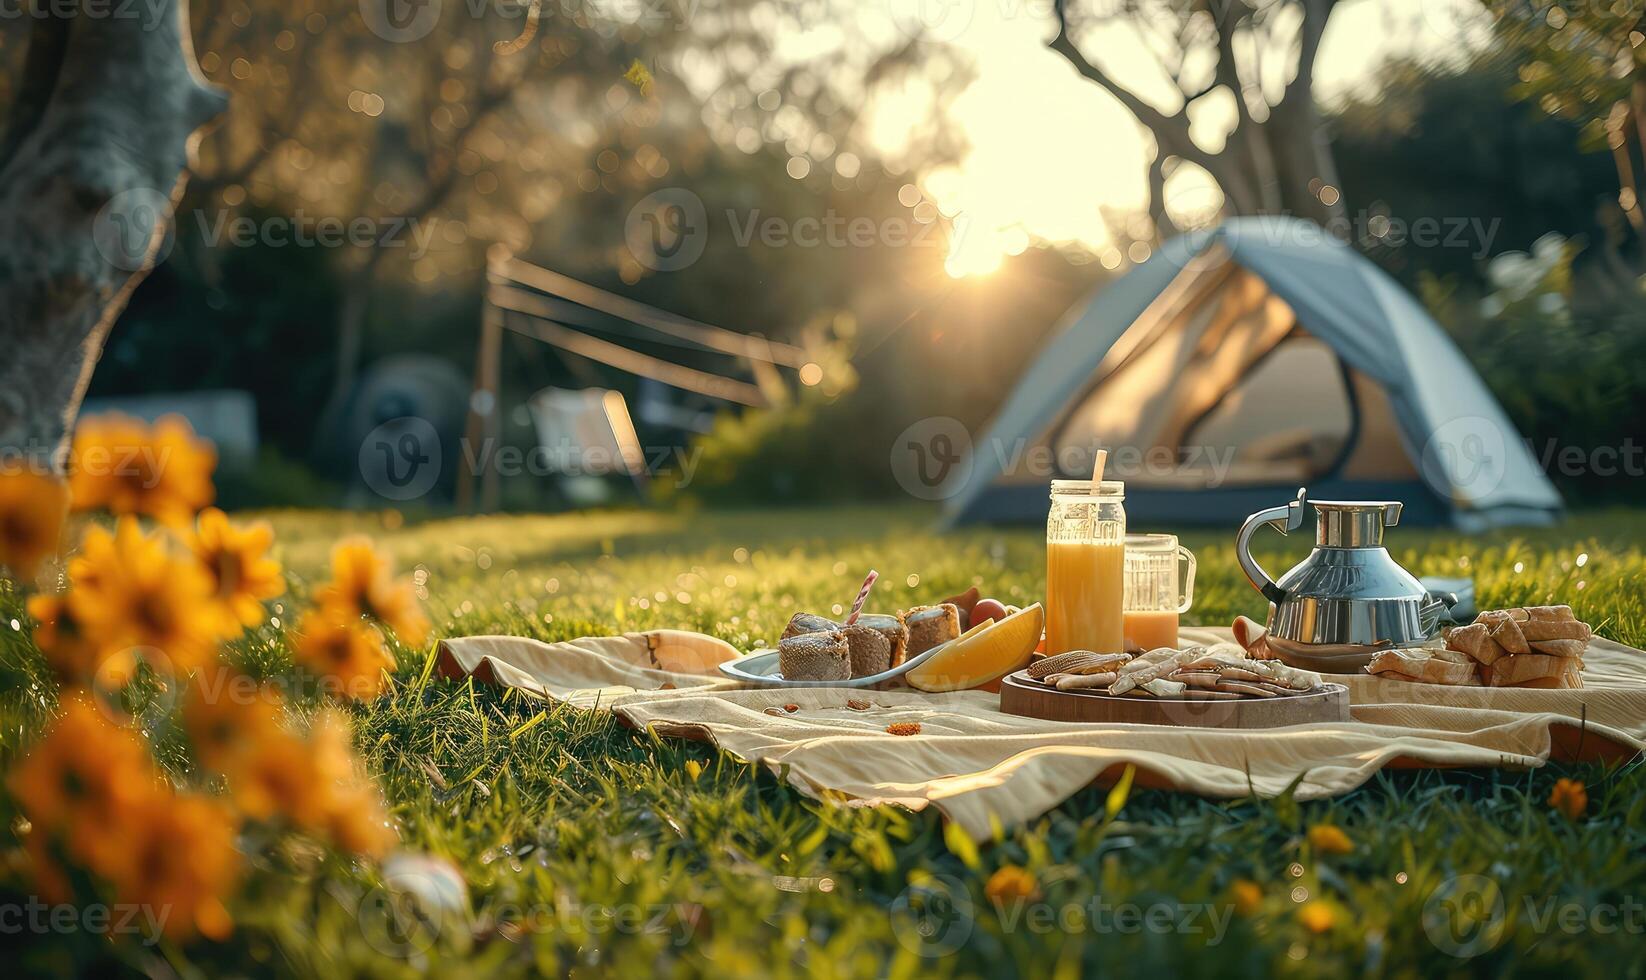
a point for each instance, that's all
(815, 648)
(1220, 673)
(1528, 646)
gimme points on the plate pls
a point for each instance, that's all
(1022, 695)
(760, 667)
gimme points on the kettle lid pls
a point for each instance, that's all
(1354, 523)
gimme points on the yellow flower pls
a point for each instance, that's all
(236, 559)
(277, 777)
(127, 590)
(694, 769)
(363, 584)
(1317, 917)
(228, 725)
(182, 861)
(1327, 839)
(70, 652)
(124, 465)
(80, 781)
(1010, 883)
(347, 651)
(1570, 798)
(350, 811)
(1247, 895)
(32, 508)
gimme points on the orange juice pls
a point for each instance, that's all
(1149, 629)
(1084, 596)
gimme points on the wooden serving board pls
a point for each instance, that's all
(1019, 695)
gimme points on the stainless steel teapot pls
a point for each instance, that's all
(1349, 598)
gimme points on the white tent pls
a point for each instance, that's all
(1240, 363)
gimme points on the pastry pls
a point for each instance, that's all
(929, 626)
(808, 623)
(869, 650)
(822, 656)
(897, 635)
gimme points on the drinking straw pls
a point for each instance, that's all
(1099, 460)
(862, 596)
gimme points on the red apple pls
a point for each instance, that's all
(988, 609)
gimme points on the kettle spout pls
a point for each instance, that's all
(1285, 519)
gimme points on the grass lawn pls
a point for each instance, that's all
(587, 847)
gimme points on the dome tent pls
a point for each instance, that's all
(1241, 362)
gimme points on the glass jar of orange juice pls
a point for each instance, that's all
(1085, 564)
(1159, 587)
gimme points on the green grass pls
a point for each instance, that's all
(587, 847)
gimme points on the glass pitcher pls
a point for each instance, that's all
(1085, 559)
(1159, 587)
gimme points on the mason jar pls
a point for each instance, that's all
(1085, 567)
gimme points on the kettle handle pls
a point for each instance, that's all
(1285, 519)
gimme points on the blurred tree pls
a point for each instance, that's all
(1586, 62)
(98, 133)
(1450, 144)
(1252, 60)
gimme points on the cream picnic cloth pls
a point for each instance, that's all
(977, 764)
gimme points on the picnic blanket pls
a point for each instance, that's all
(977, 764)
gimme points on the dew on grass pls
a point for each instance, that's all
(740, 555)
(1296, 870)
(731, 581)
(1300, 894)
(1400, 878)
(836, 609)
(1520, 566)
(16, 625)
(913, 579)
(552, 586)
(1583, 559)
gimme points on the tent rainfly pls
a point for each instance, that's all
(1240, 363)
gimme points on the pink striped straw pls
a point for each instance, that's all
(862, 596)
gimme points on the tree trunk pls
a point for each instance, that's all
(94, 163)
(1304, 168)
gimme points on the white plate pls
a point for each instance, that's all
(761, 667)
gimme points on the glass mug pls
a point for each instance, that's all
(1159, 586)
(1085, 566)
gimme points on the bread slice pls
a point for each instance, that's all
(930, 625)
(892, 628)
(1425, 667)
(1536, 669)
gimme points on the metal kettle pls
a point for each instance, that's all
(1349, 598)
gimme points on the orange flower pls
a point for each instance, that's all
(363, 584)
(124, 465)
(228, 725)
(1010, 883)
(32, 508)
(127, 590)
(69, 651)
(278, 778)
(1317, 917)
(354, 814)
(1570, 798)
(348, 651)
(1247, 896)
(182, 862)
(235, 557)
(1327, 839)
(79, 783)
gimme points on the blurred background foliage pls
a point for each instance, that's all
(540, 131)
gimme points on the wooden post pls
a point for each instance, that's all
(483, 431)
